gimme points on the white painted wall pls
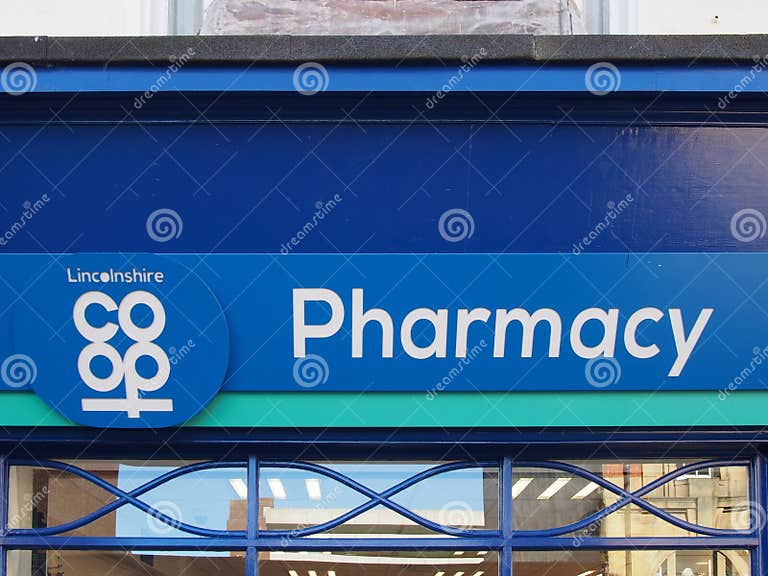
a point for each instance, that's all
(83, 17)
(150, 17)
(688, 16)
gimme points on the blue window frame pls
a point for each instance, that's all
(511, 545)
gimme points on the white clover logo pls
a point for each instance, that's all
(602, 78)
(18, 370)
(168, 508)
(310, 78)
(18, 78)
(164, 225)
(123, 367)
(310, 371)
(456, 225)
(748, 225)
(456, 514)
(602, 371)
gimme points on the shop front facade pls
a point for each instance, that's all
(414, 306)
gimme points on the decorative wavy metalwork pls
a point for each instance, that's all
(123, 498)
(382, 498)
(635, 497)
(375, 498)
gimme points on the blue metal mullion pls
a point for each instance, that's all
(253, 498)
(252, 554)
(506, 518)
(505, 561)
(759, 497)
(123, 543)
(270, 543)
(252, 561)
(644, 543)
(4, 495)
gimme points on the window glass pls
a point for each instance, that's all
(633, 563)
(713, 498)
(47, 497)
(293, 499)
(405, 563)
(113, 563)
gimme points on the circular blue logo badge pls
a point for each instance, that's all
(136, 341)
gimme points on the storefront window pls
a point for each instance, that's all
(417, 563)
(296, 500)
(383, 517)
(633, 563)
(42, 497)
(113, 563)
(717, 497)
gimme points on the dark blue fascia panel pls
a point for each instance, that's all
(561, 108)
(538, 173)
(311, 443)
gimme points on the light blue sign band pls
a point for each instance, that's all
(431, 322)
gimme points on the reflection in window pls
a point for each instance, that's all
(633, 563)
(713, 498)
(293, 499)
(113, 563)
(415, 563)
(46, 497)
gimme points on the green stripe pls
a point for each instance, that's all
(401, 409)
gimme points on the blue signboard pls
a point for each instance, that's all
(126, 340)
(318, 256)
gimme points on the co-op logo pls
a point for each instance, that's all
(119, 363)
(122, 368)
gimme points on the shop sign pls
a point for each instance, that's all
(140, 340)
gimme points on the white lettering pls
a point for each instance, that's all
(630, 332)
(606, 331)
(360, 319)
(607, 345)
(301, 330)
(439, 320)
(685, 345)
(463, 321)
(528, 322)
